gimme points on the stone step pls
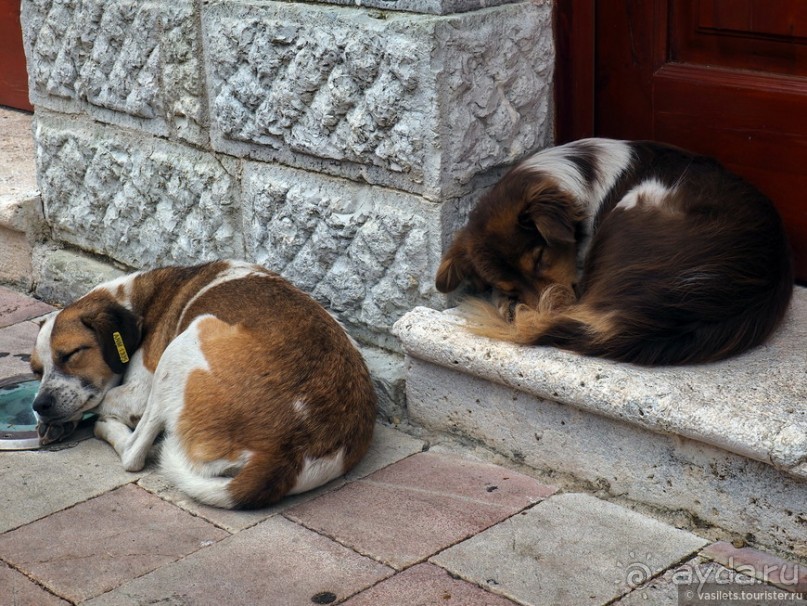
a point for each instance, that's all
(20, 204)
(726, 442)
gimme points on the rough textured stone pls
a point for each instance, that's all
(62, 276)
(140, 200)
(416, 102)
(367, 253)
(122, 61)
(438, 7)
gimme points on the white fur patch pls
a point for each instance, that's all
(647, 193)
(317, 472)
(125, 283)
(205, 483)
(613, 157)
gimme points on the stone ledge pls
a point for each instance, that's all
(751, 405)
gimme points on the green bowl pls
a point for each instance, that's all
(17, 419)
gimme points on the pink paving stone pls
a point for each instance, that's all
(15, 307)
(16, 344)
(410, 510)
(97, 545)
(760, 565)
(426, 585)
(16, 589)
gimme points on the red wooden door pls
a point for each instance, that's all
(13, 76)
(723, 77)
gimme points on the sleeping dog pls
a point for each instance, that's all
(633, 251)
(259, 392)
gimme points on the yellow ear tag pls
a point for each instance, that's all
(124, 357)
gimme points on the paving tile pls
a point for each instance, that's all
(418, 506)
(18, 590)
(276, 562)
(387, 447)
(696, 581)
(95, 546)
(16, 307)
(426, 585)
(760, 565)
(16, 345)
(570, 549)
(40, 482)
(229, 519)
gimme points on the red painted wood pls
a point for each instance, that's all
(13, 75)
(574, 69)
(723, 77)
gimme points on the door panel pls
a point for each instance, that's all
(726, 78)
(13, 76)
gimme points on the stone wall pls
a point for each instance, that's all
(339, 145)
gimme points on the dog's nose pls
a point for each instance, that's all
(43, 403)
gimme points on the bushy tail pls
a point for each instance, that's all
(626, 336)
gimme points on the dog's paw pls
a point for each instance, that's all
(53, 432)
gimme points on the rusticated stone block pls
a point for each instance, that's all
(122, 61)
(367, 253)
(140, 200)
(417, 102)
(435, 7)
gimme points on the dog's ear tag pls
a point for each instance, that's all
(124, 356)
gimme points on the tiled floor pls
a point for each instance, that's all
(405, 528)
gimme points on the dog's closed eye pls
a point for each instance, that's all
(64, 358)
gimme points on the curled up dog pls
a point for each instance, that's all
(633, 251)
(258, 391)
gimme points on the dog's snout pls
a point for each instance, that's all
(43, 404)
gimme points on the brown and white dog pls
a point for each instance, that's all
(633, 251)
(258, 391)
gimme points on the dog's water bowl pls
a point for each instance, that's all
(17, 420)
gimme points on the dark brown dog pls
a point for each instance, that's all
(633, 251)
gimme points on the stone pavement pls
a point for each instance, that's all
(414, 524)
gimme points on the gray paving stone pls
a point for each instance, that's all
(88, 549)
(276, 562)
(388, 446)
(40, 482)
(570, 549)
(62, 276)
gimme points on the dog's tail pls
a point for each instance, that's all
(625, 336)
(208, 484)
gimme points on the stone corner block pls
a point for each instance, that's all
(432, 7)
(420, 103)
(140, 200)
(366, 253)
(62, 276)
(134, 64)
